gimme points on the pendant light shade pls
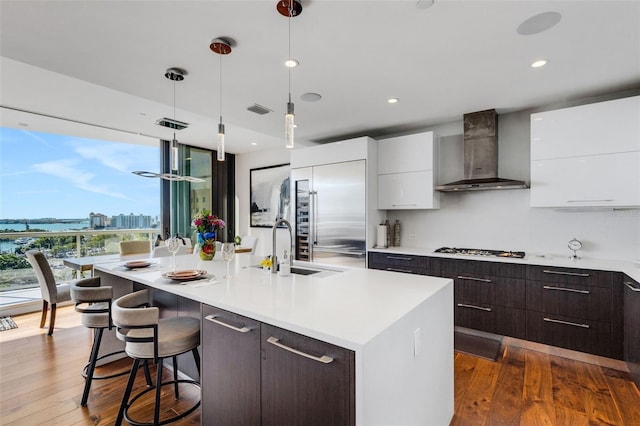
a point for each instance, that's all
(289, 9)
(220, 46)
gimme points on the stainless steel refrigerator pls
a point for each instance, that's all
(330, 212)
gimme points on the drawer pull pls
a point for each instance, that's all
(481, 308)
(484, 280)
(213, 319)
(573, 274)
(590, 201)
(400, 270)
(572, 290)
(628, 284)
(323, 359)
(408, 259)
(575, 324)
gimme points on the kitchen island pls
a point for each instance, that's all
(398, 328)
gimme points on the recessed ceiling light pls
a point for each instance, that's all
(539, 63)
(539, 23)
(393, 100)
(424, 4)
(254, 143)
(291, 63)
(310, 97)
(23, 124)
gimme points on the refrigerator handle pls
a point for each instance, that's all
(314, 220)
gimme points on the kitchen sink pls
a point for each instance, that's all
(304, 271)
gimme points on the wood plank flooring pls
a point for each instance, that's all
(40, 384)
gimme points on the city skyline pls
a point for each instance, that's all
(57, 176)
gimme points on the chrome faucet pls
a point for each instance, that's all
(274, 258)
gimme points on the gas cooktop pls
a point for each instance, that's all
(481, 252)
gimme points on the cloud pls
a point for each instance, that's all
(68, 171)
(121, 157)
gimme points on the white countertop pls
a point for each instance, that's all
(632, 269)
(347, 308)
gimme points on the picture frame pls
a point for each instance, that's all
(269, 195)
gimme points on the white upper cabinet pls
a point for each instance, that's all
(587, 156)
(601, 128)
(405, 172)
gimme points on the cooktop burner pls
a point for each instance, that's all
(481, 252)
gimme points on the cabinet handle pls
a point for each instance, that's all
(549, 287)
(402, 205)
(575, 324)
(323, 359)
(628, 284)
(588, 201)
(464, 305)
(408, 259)
(484, 280)
(410, 271)
(213, 319)
(573, 274)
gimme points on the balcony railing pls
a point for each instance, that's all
(15, 274)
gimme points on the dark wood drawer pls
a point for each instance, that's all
(577, 334)
(490, 290)
(406, 263)
(491, 318)
(572, 300)
(482, 268)
(570, 276)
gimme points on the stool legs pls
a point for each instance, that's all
(97, 338)
(127, 392)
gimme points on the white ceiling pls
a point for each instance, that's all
(103, 62)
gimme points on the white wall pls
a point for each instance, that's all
(503, 220)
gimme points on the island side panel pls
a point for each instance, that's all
(394, 386)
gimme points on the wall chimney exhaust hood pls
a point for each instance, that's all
(481, 156)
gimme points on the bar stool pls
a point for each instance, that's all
(94, 303)
(147, 337)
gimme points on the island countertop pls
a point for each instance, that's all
(347, 307)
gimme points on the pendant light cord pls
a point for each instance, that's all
(290, 12)
(220, 82)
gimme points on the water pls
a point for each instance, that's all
(9, 246)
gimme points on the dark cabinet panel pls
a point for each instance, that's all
(570, 276)
(632, 327)
(572, 300)
(302, 387)
(571, 333)
(410, 264)
(231, 375)
(490, 290)
(491, 318)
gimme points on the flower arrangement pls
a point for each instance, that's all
(206, 222)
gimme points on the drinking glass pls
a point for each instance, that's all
(173, 245)
(228, 250)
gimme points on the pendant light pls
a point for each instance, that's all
(174, 74)
(220, 46)
(290, 9)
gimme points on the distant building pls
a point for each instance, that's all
(131, 221)
(98, 221)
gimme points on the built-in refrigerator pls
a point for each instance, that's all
(329, 204)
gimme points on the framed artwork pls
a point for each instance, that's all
(269, 190)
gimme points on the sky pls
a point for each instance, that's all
(47, 175)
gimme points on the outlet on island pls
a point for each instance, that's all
(411, 236)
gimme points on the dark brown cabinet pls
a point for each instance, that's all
(305, 381)
(407, 263)
(231, 368)
(258, 374)
(489, 296)
(575, 309)
(632, 327)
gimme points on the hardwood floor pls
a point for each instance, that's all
(40, 383)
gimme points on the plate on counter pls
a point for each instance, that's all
(189, 274)
(137, 264)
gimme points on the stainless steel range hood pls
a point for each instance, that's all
(481, 156)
